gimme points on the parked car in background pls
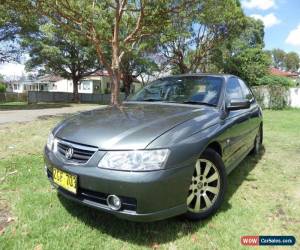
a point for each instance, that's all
(167, 151)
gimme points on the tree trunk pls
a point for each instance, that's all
(113, 69)
(75, 91)
(183, 69)
(115, 87)
(127, 81)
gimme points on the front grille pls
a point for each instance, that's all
(81, 153)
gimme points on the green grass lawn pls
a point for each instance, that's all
(263, 199)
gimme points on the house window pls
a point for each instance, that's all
(97, 85)
(16, 86)
(86, 86)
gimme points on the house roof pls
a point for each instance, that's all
(279, 72)
(100, 73)
(105, 73)
(49, 78)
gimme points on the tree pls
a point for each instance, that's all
(244, 56)
(275, 80)
(250, 64)
(292, 61)
(9, 50)
(134, 65)
(188, 44)
(278, 56)
(2, 87)
(2, 84)
(64, 54)
(116, 26)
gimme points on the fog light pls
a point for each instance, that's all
(114, 202)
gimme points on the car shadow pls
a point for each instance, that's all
(154, 233)
(241, 174)
(147, 234)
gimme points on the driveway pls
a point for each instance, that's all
(8, 116)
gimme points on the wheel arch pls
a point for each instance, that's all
(216, 146)
(261, 126)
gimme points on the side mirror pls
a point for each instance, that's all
(236, 104)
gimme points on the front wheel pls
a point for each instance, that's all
(208, 186)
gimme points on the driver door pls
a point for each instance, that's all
(236, 126)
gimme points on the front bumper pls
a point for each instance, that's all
(146, 196)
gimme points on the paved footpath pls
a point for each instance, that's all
(7, 116)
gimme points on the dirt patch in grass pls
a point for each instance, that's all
(26, 106)
(5, 216)
(49, 117)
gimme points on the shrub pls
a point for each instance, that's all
(271, 96)
(2, 88)
(278, 97)
(273, 92)
(107, 91)
(275, 80)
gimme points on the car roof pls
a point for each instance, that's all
(200, 74)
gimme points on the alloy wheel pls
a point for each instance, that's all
(204, 187)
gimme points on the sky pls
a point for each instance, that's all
(280, 17)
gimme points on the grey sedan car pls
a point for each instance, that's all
(167, 151)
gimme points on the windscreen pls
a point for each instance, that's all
(188, 89)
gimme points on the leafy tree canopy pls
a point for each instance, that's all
(275, 80)
(52, 50)
(250, 64)
(187, 44)
(282, 60)
(61, 53)
(2, 87)
(278, 56)
(244, 55)
(292, 61)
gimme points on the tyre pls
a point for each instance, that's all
(257, 142)
(208, 186)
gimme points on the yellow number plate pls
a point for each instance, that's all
(65, 180)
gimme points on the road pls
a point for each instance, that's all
(8, 116)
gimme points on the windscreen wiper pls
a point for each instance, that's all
(200, 103)
(151, 100)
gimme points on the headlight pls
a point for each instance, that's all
(50, 141)
(137, 160)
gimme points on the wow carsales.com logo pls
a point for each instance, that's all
(268, 240)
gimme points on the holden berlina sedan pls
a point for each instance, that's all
(166, 151)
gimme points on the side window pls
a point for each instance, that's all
(246, 91)
(233, 89)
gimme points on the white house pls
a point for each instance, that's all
(98, 82)
(17, 86)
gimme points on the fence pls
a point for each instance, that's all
(40, 96)
(13, 97)
(277, 97)
(295, 97)
(269, 97)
